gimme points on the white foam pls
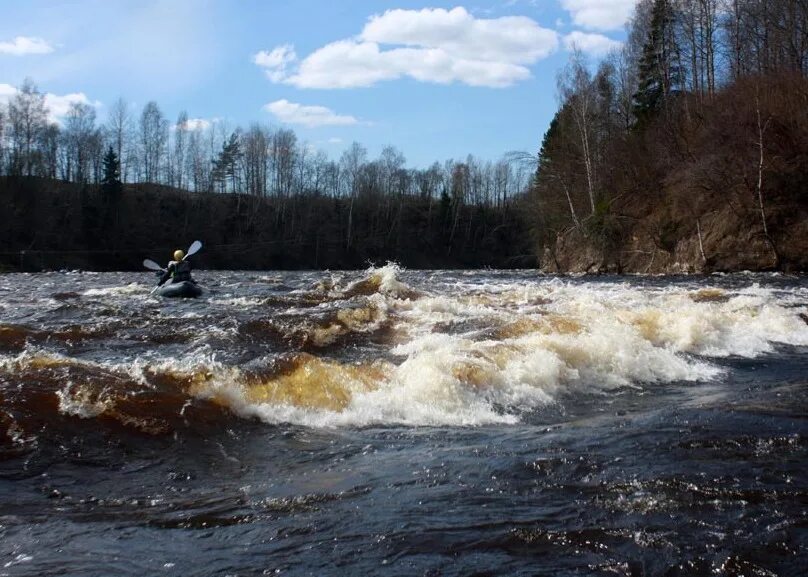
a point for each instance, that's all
(125, 290)
(238, 302)
(78, 402)
(476, 353)
(387, 278)
(609, 336)
(389, 283)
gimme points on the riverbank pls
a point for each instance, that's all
(709, 184)
(722, 241)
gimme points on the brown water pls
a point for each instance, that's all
(404, 423)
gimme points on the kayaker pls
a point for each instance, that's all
(178, 270)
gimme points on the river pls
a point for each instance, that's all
(389, 422)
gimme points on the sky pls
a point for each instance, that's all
(437, 80)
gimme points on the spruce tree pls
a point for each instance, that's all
(226, 165)
(111, 183)
(547, 142)
(657, 69)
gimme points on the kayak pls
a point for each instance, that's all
(183, 290)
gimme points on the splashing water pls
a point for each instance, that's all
(603, 426)
(376, 351)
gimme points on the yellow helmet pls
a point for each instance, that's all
(178, 255)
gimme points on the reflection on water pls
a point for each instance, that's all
(402, 422)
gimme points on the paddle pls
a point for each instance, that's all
(151, 265)
(195, 247)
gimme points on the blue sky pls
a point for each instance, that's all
(438, 80)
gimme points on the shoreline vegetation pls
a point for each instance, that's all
(686, 150)
(50, 224)
(683, 151)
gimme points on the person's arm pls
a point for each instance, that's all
(166, 275)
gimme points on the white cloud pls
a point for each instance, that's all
(510, 39)
(6, 92)
(594, 44)
(512, 3)
(194, 124)
(334, 140)
(599, 14)
(276, 62)
(429, 45)
(24, 45)
(57, 105)
(308, 116)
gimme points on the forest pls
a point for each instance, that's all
(685, 150)
(80, 194)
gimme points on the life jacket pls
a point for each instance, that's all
(180, 271)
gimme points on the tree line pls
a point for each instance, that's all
(84, 181)
(85, 192)
(205, 156)
(702, 109)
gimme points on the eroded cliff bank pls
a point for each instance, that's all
(719, 241)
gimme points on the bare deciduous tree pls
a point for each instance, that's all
(119, 133)
(27, 118)
(153, 139)
(576, 89)
(80, 136)
(178, 159)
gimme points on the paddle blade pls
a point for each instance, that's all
(194, 248)
(151, 265)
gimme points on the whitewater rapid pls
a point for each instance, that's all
(484, 354)
(388, 347)
(401, 422)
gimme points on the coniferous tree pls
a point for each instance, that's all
(546, 143)
(225, 166)
(111, 183)
(657, 72)
(550, 168)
